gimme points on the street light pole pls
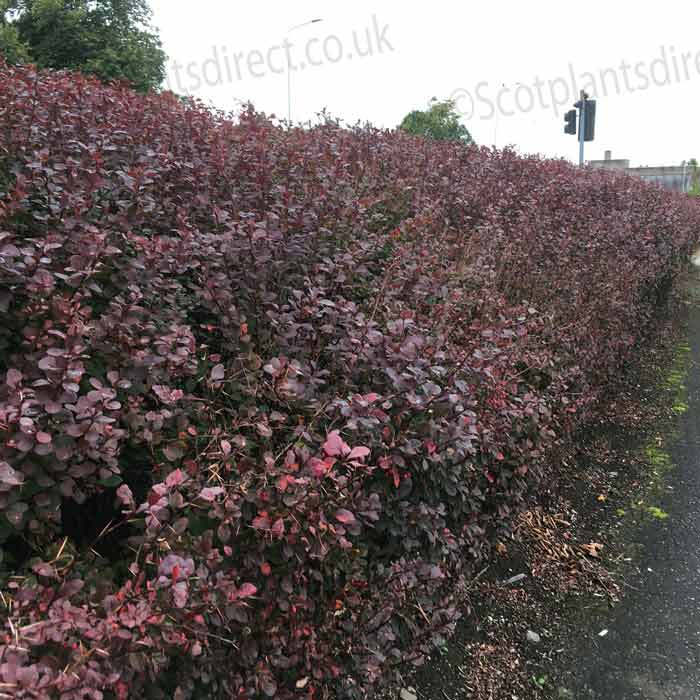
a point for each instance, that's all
(289, 67)
(497, 113)
(495, 123)
(685, 177)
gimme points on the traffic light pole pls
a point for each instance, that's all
(585, 110)
(582, 128)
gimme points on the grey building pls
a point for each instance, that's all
(674, 177)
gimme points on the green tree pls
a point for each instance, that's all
(112, 39)
(12, 48)
(440, 121)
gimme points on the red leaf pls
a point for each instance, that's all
(321, 467)
(180, 594)
(262, 522)
(13, 378)
(335, 446)
(211, 494)
(278, 528)
(358, 452)
(247, 590)
(344, 516)
(175, 478)
(43, 438)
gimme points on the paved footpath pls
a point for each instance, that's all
(652, 649)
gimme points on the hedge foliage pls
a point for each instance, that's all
(268, 396)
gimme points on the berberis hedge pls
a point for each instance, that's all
(269, 396)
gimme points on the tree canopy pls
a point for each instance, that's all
(440, 121)
(112, 39)
(12, 48)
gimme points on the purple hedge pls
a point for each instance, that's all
(267, 396)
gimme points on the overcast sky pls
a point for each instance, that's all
(512, 66)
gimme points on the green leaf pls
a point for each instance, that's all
(112, 481)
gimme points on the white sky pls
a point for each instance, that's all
(440, 47)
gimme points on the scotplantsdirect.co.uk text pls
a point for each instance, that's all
(486, 100)
(224, 66)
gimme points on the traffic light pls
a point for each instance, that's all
(589, 126)
(584, 109)
(570, 121)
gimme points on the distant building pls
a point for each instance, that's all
(609, 163)
(673, 177)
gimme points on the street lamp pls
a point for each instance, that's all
(495, 124)
(289, 67)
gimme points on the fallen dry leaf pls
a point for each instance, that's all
(592, 549)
